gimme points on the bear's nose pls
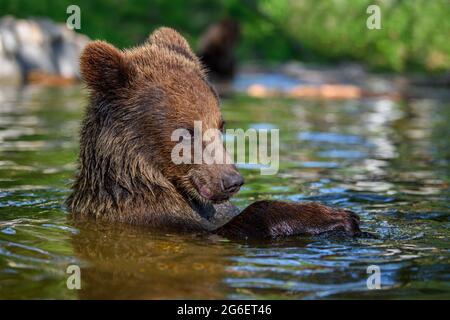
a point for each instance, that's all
(232, 182)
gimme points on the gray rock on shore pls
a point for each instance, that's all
(38, 45)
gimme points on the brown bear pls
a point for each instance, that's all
(138, 97)
(216, 50)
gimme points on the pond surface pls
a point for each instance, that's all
(388, 161)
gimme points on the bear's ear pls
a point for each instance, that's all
(172, 40)
(103, 67)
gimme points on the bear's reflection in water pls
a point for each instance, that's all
(119, 261)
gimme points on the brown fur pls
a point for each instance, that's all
(137, 98)
(271, 219)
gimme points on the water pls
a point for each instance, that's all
(388, 161)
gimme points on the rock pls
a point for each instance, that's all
(260, 91)
(299, 80)
(38, 46)
(326, 91)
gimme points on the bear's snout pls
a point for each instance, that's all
(217, 185)
(232, 182)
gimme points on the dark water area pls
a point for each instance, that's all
(387, 161)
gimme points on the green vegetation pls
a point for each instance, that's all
(414, 34)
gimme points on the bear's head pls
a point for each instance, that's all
(139, 98)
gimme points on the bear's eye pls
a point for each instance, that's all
(222, 126)
(187, 134)
(191, 132)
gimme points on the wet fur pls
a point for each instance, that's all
(125, 173)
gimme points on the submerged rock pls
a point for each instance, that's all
(38, 49)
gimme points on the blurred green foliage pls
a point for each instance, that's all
(414, 33)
